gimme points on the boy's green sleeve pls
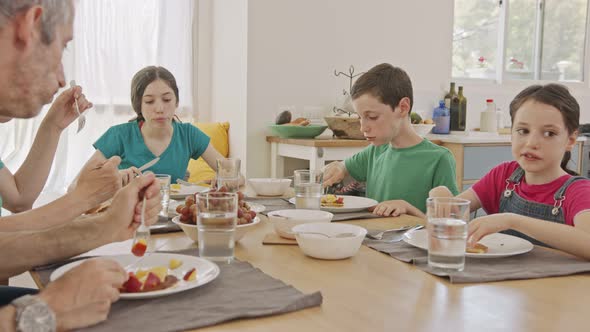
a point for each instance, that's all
(357, 165)
(445, 173)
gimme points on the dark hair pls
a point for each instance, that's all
(555, 95)
(387, 83)
(145, 77)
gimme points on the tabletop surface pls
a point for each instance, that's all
(374, 292)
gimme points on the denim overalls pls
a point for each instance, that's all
(512, 202)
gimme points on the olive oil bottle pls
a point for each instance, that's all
(462, 109)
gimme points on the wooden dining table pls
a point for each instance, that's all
(375, 292)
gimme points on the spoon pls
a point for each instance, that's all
(336, 236)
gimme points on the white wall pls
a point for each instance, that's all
(229, 71)
(295, 46)
(272, 53)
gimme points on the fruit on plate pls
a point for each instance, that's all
(174, 263)
(159, 271)
(156, 278)
(132, 285)
(151, 282)
(139, 247)
(190, 275)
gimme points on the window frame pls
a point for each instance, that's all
(501, 77)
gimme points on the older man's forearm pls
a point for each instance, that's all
(20, 251)
(56, 213)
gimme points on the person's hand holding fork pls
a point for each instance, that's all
(63, 110)
(334, 173)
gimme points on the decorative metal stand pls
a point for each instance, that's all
(350, 76)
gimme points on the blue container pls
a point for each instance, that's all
(442, 119)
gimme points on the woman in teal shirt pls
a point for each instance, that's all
(155, 132)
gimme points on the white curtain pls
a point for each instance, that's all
(113, 39)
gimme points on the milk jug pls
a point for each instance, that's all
(489, 118)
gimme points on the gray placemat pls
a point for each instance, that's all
(240, 291)
(538, 263)
(283, 204)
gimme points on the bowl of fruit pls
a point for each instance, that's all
(421, 126)
(187, 218)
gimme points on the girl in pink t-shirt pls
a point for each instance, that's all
(536, 196)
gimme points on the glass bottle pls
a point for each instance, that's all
(454, 110)
(442, 119)
(449, 96)
(462, 109)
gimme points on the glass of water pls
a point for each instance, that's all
(216, 225)
(228, 174)
(308, 189)
(164, 180)
(447, 232)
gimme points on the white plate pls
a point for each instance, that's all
(351, 204)
(256, 207)
(186, 191)
(499, 245)
(206, 272)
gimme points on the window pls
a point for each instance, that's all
(520, 39)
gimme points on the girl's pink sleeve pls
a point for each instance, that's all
(491, 186)
(577, 200)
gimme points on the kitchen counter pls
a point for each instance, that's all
(476, 137)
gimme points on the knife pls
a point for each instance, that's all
(149, 164)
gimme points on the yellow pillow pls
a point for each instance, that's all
(218, 132)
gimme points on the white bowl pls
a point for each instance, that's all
(284, 220)
(269, 186)
(191, 230)
(319, 246)
(423, 129)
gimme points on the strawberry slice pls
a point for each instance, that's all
(132, 285)
(190, 275)
(151, 282)
(139, 247)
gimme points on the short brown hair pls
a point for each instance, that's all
(388, 83)
(143, 78)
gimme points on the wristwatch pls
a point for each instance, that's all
(33, 315)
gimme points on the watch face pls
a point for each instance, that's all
(36, 317)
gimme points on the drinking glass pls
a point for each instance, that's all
(228, 174)
(308, 189)
(216, 225)
(164, 180)
(447, 232)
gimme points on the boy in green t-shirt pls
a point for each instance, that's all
(399, 166)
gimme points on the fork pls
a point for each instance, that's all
(143, 232)
(81, 117)
(398, 237)
(379, 235)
